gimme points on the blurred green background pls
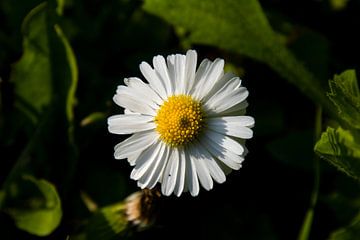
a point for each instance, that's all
(60, 63)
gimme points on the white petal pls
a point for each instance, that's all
(133, 158)
(200, 77)
(236, 126)
(163, 73)
(236, 110)
(215, 171)
(230, 100)
(170, 60)
(128, 98)
(145, 160)
(214, 73)
(153, 79)
(190, 70)
(180, 73)
(229, 158)
(139, 93)
(170, 173)
(228, 96)
(127, 124)
(190, 176)
(219, 84)
(129, 112)
(138, 85)
(153, 173)
(245, 121)
(160, 169)
(234, 131)
(225, 90)
(201, 169)
(137, 142)
(180, 181)
(227, 170)
(225, 142)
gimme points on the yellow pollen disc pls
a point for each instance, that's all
(179, 120)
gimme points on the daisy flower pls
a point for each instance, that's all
(188, 125)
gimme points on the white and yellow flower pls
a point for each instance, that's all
(188, 125)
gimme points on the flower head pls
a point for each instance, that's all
(188, 124)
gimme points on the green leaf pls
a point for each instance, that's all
(348, 233)
(45, 81)
(33, 204)
(108, 223)
(341, 149)
(241, 27)
(32, 74)
(344, 93)
(47, 71)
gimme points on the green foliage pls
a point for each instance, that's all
(108, 223)
(338, 5)
(306, 227)
(240, 27)
(350, 232)
(32, 74)
(34, 205)
(47, 72)
(93, 118)
(341, 149)
(45, 80)
(345, 95)
(237, 23)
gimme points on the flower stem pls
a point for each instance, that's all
(309, 216)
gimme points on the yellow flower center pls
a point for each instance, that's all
(179, 120)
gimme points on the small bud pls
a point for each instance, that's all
(140, 207)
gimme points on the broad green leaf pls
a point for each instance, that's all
(350, 232)
(47, 71)
(108, 223)
(238, 26)
(34, 205)
(344, 93)
(341, 149)
(45, 81)
(32, 74)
